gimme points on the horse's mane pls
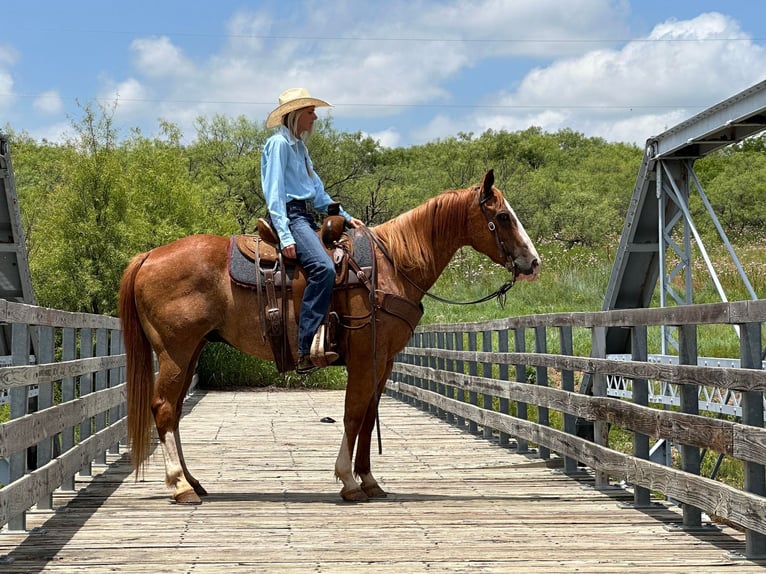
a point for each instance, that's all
(412, 237)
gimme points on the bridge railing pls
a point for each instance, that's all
(78, 413)
(499, 378)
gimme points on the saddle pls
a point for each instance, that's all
(256, 262)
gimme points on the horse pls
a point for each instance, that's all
(176, 297)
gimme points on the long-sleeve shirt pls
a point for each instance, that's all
(287, 173)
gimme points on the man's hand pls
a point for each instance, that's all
(355, 223)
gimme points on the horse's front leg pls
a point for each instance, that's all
(362, 465)
(351, 490)
(362, 462)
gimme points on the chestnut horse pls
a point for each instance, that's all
(176, 297)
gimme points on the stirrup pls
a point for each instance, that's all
(319, 356)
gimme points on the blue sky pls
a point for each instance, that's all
(403, 71)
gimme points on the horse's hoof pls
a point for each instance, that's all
(187, 497)
(374, 491)
(354, 495)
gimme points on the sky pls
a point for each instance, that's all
(405, 72)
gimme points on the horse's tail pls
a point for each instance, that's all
(140, 367)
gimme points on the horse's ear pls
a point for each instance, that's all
(486, 185)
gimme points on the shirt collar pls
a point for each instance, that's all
(287, 135)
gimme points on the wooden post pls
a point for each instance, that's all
(502, 347)
(473, 370)
(68, 353)
(520, 346)
(86, 387)
(566, 347)
(102, 347)
(44, 354)
(600, 428)
(752, 414)
(486, 346)
(19, 402)
(440, 387)
(460, 368)
(543, 416)
(114, 380)
(639, 352)
(689, 397)
(449, 365)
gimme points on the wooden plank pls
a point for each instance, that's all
(741, 441)
(19, 376)
(711, 313)
(457, 503)
(12, 312)
(721, 377)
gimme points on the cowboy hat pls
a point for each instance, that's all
(291, 100)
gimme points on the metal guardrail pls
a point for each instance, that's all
(711, 399)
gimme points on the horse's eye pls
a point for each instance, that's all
(504, 217)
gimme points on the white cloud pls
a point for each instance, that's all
(130, 98)
(59, 132)
(386, 138)
(159, 57)
(366, 61)
(7, 95)
(49, 103)
(641, 89)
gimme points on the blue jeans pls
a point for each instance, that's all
(320, 274)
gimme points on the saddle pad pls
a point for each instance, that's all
(242, 270)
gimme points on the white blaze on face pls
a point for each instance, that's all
(525, 238)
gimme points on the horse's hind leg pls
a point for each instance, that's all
(169, 390)
(198, 488)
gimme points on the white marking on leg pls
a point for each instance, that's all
(343, 466)
(173, 469)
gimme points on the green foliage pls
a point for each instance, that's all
(223, 367)
(90, 204)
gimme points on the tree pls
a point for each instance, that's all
(79, 267)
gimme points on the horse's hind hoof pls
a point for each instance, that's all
(354, 495)
(374, 491)
(187, 497)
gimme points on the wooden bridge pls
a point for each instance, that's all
(482, 474)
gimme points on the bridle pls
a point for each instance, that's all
(505, 253)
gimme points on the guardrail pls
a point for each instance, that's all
(462, 373)
(79, 412)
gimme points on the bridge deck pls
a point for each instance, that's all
(458, 504)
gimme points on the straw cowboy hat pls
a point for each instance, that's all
(291, 100)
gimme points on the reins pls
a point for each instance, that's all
(498, 294)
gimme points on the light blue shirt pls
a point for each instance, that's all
(286, 174)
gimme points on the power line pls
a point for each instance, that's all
(119, 99)
(415, 39)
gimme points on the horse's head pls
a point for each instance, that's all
(502, 236)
